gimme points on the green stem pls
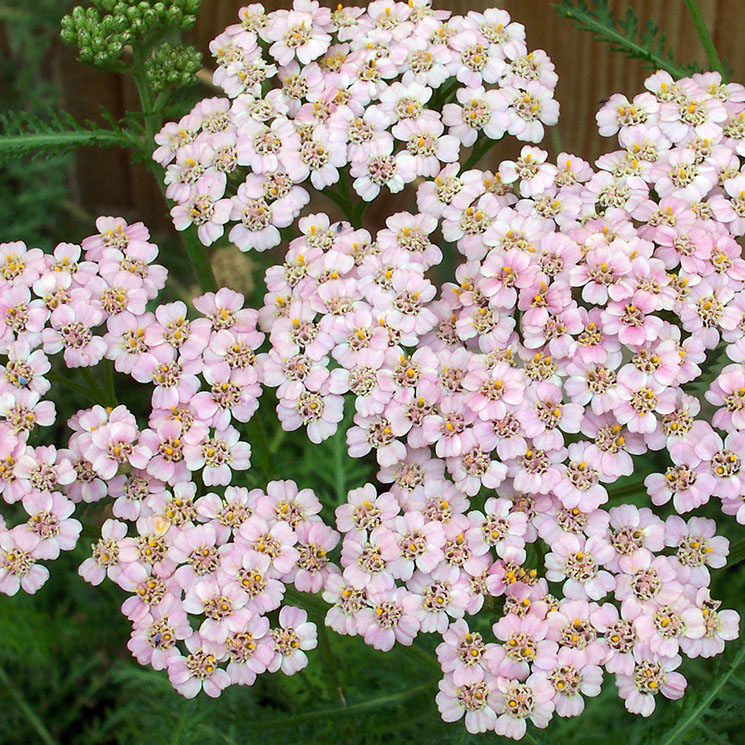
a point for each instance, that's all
(706, 41)
(277, 440)
(736, 553)
(108, 378)
(72, 385)
(675, 735)
(329, 663)
(626, 491)
(100, 394)
(15, 144)
(479, 150)
(369, 703)
(145, 93)
(200, 260)
(28, 712)
(196, 252)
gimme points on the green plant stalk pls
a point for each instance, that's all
(108, 378)
(72, 385)
(625, 491)
(329, 663)
(28, 712)
(100, 394)
(200, 260)
(674, 736)
(369, 703)
(196, 252)
(480, 149)
(706, 41)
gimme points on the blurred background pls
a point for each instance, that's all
(65, 673)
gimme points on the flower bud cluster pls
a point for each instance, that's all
(172, 66)
(103, 30)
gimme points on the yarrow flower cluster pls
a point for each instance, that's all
(223, 557)
(500, 408)
(581, 316)
(390, 93)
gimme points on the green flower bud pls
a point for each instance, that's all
(173, 66)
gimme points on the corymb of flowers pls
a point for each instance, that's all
(597, 315)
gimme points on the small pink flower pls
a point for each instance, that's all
(294, 636)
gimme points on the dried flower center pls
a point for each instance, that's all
(180, 510)
(241, 646)
(645, 584)
(312, 557)
(310, 407)
(106, 552)
(161, 634)
(725, 464)
(44, 524)
(566, 680)
(578, 634)
(626, 540)
(16, 562)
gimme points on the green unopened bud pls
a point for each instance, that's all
(173, 66)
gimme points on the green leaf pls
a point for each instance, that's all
(24, 135)
(625, 35)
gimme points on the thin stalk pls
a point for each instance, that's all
(99, 392)
(108, 377)
(28, 712)
(675, 734)
(369, 703)
(329, 663)
(196, 252)
(706, 41)
(480, 149)
(277, 440)
(72, 385)
(200, 260)
(145, 93)
(626, 491)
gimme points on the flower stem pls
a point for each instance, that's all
(329, 663)
(478, 152)
(676, 733)
(196, 252)
(200, 260)
(100, 394)
(72, 385)
(28, 712)
(706, 41)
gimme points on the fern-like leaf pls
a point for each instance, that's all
(627, 35)
(24, 135)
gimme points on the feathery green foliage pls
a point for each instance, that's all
(628, 35)
(24, 135)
